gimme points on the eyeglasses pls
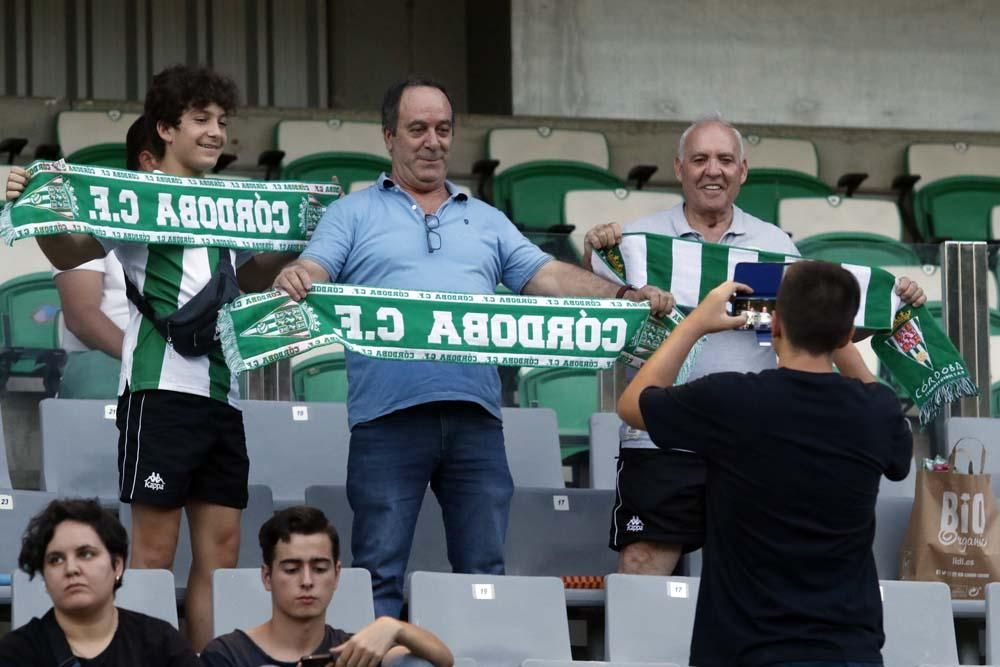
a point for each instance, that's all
(431, 223)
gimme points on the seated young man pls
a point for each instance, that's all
(301, 567)
(794, 456)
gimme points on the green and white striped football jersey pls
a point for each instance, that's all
(169, 276)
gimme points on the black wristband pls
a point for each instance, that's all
(623, 289)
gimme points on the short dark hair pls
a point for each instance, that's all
(390, 103)
(817, 303)
(296, 520)
(136, 141)
(179, 88)
(43, 526)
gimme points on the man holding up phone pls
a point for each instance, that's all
(794, 456)
(301, 568)
(659, 510)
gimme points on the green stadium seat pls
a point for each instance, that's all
(94, 137)
(779, 168)
(571, 393)
(840, 218)
(584, 209)
(959, 186)
(321, 377)
(929, 277)
(316, 151)
(29, 334)
(870, 252)
(536, 167)
(21, 258)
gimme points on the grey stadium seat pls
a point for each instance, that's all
(560, 533)
(498, 621)
(531, 436)
(993, 623)
(295, 445)
(16, 509)
(259, 509)
(240, 601)
(604, 443)
(892, 518)
(429, 550)
(650, 619)
(80, 449)
(976, 431)
(4, 468)
(592, 663)
(150, 592)
(918, 624)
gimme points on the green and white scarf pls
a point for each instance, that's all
(139, 207)
(909, 341)
(505, 330)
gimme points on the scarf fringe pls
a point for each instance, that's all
(227, 336)
(946, 393)
(7, 231)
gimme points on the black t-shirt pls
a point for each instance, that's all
(793, 466)
(139, 640)
(237, 650)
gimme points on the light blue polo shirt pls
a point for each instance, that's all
(377, 237)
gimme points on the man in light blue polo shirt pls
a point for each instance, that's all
(659, 510)
(419, 423)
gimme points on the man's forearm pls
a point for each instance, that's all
(423, 644)
(850, 364)
(660, 371)
(98, 332)
(558, 278)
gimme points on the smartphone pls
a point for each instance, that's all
(319, 660)
(764, 278)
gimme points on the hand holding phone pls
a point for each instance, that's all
(318, 660)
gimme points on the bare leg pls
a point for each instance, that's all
(649, 558)
(215, 543)
(154, 536)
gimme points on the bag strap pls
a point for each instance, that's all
(57, 640)
(955, 449)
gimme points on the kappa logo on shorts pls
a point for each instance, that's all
(155, 482)
(635, 525)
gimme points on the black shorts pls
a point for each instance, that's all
(175, 447)
(659, 497)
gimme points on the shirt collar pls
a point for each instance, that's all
(736, 228)
(386, 183)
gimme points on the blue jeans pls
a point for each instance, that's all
(457, 448)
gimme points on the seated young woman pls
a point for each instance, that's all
(80, 550)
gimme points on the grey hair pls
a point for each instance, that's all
(715, 118)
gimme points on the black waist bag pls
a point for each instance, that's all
(191, 329)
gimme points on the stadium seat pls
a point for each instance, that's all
(993, 623)
(79, 449)
(498, 621)
(29, 330)
(560, 533)
(959, 186)
(322, 377)
(779, 168)
(591, 663)
(260, 508)
(429, 551)
(240, 601)
(22, 258)
(571, 392)
(584, 209)
(904, 488)
(294, 445)
(94, 137)
(16, 509)
(936, 308)
(650, 618)
(917, 618)
(604, 443)
(536, 167)
(892, 518)
(317, 150)
(973, 432)
(837, 218)
(995, 223)
(150, 592)
(531, 438)
(869, 253)
(929, 277)
(5, 482)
